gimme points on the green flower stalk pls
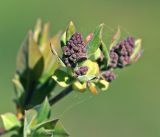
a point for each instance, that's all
(67, 60)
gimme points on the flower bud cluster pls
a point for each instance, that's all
(109, 76)
(81, 71)
(120, 54)
(74, 51)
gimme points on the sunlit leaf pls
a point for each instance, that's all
(62, 78)
(79, 86)
(137, 49)
(57, 56)
(96, 55)
(37, 30)
(10, 121)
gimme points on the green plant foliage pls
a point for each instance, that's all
(36, 123)
(137, 49)
(10, 121)
(94, 44)
(41, 67)
(62, 78)
(115, 38)
(70, 30)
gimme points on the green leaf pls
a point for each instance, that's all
(10, 121)
(59, 130)
(115, 38)
(37, 30)
(62, 78)
(94, 44)
(57, 56)
(43, 111)
(30, 60)
(105, 52)
(70, 30)
(137, 49)
(96, 55)
(19, 90)
(79, 86)
(35, 116)
(86, 78)
(48, 129)
(44, 36)
(63, 39)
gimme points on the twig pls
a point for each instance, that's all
(62, 94)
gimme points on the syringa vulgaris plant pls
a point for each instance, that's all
(67, 60)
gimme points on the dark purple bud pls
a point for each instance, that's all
(81, 71)
(75, 50)
(120, 54)
(109, 76)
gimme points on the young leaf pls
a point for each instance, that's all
(43, 111)
(10, 121)
(86, 78)
(94, 44)
(105, 52)
(59, 130)
(29, 59)
(115, 38)
(44, 36)
(57, 56)
(63, 39)
(62, 78)
(19, 90)
(137, 49)
(29, 121)
(96, 55)
(37, 30)
(70, 30)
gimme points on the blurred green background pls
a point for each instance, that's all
(131, 107)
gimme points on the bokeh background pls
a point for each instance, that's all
(131, 107)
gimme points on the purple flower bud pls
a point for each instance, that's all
(75, 50)
(81, 71)
(109, 76)
(120, 54)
